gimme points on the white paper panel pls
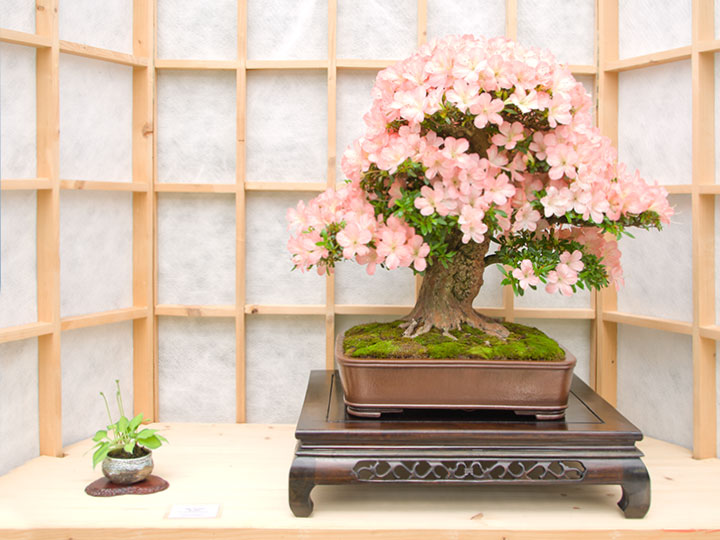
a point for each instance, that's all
(95, 120)
(18, 15)
(353, 285)
(268, 275)
(574, 335)
(17, 102)
(353, 101)
(281, 352)
(107, 24)
(197, 369)
(95, 251)
(654, 122)
(196, 127)
(647, 26)
(480, 18)
(196, 249)
(717, 116)
(490, 294)
(658, 266)
(18, 403)
(542, 299)
(91, 359)
(376, 29)
(655, 390)
(588, 81)
(286, 126)
(566, 27)
(18, 281)
(287, 29)
(717, 397)
(190, 29)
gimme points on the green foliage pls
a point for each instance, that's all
(122, 437)
(385, 340)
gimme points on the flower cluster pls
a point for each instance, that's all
(470, 140)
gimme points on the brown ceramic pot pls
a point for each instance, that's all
(373, 386)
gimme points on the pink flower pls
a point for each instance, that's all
(556, 202)
(472, 225)
(526, 219)
(559, 112)
(392, 247)
(498, 190)
(572, 260)
(509, 135)
(526, 274)
(561, 279)
(418, 251)
(562, 159)
(463, 95)
(434, 200)
(487, 110)
(354, 239)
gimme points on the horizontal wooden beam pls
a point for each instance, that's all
(709, 46)
(710, 332)
(554, 313)
(179, 187)
(286, 64)
(23, 38)
(655, 323)
(106, 55)
(709, 189)
(352, 63)
(647, 60)
(104, 317)
(581, 69)
(197, 64)
(30, 183)
(270, 309)
(679, 189)
(347, 309)
(92, 185)
(25, 331)
(285, 186)
(178, 310)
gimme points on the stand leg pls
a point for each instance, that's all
(301, 483)
(635, 500)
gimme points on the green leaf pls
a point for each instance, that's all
(163, 439)
(100, 454)
(129, 447)
(146, 433)
(100, 435)
(151, 442)
(123, 424)
(135, 422)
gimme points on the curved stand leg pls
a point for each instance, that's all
(635, 500)
(301, 483)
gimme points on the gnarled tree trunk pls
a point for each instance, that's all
(446, 296)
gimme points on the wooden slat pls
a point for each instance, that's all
(645, 321)
(705, 189)
(678, 189)
(178, 187)
(422, 16)
(511, 19)
(196, 64)
(25, 331)
(23, 38)
(240, 217)
(578, 69)
(106, 55)
(270, 309)
(92, 185)
(703, 233)
(352, 63)
(31, 183)
(286, 64)
(711, 331)
(145, 371)
(647, 60)
(285, 186)
(154, 200)
(605, 331)
(710, 46)
(105, 317)
(557, 313)
(48, 228)
(178, 310)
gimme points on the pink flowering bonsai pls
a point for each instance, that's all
(472, 143)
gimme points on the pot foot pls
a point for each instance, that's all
(544, 415)
(369, 412)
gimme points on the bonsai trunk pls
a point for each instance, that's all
(446, 295)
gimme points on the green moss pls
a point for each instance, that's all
(385, 340)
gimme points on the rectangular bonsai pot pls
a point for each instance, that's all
(373, 386)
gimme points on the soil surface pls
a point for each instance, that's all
(385, 340)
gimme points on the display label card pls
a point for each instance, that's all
(194, 511)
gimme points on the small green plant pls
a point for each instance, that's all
(122, 437)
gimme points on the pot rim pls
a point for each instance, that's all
(569, 360)
(146, 456)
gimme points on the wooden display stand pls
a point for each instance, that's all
(594, 444)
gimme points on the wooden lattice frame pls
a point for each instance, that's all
(603, 312)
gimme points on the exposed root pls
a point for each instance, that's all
(409, 327)
(424, 329)
(417, 326)
(447, 334)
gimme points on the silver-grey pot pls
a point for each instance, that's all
(127, 471)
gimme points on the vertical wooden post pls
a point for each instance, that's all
(48, 229)
(606, 331)
(240, 208)
(421, 40)
(703, 231)
(331, 165)
(144, 360)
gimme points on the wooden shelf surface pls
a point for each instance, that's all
(244, 468)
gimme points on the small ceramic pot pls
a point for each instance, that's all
(127, 471)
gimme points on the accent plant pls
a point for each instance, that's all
(472, 143)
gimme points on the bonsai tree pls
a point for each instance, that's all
(478, 152)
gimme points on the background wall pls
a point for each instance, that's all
(249, 116)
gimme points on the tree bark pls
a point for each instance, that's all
(446, 295)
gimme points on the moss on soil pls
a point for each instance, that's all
(385, 340)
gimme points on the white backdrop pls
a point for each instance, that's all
(287, 141)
